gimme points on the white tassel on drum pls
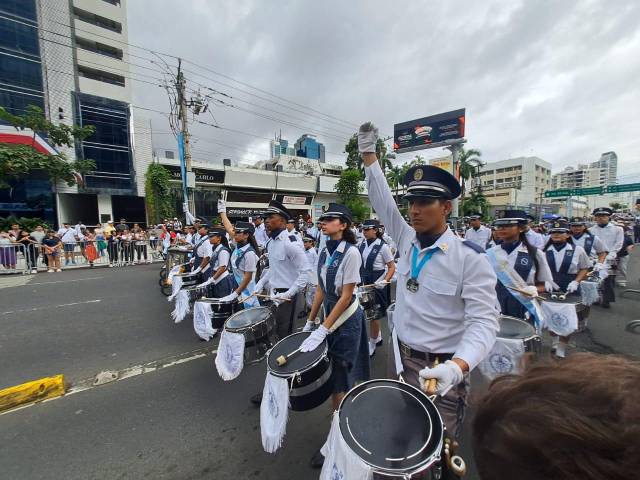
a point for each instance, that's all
(505, 358)
(202, 320)
(182, 306)
(176, 285)
(589, 291)
(230, 358)
(274, 412)
(339, 459)
(561, 318)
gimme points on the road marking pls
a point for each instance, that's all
(130, 372)
(50, 306)
(67, 281)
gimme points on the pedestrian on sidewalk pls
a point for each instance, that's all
(38, 235)
(30, 251)
(52, 246)
(7, 251)
(69, 239)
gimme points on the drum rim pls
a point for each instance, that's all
(322, 358)
(244, 329)
(211, 300)
(524, 339)
(427, 462)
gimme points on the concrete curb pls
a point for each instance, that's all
(34, 391)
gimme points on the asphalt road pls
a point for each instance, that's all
(176, 422)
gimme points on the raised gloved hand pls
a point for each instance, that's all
(551, 286)
(278, 298)
(222, 207)
(230, 298)
(573, 287)
(530, 291)
(367, 138)
(448, 375)
(308, 326)
(380, 284)
(315, 339)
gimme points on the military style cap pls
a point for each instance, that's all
(244, 227)
(307, 238)
(577, 221)
(335, 210)
(475, 216)
(277, 208)
(217, 231)
(291, 221)
(602, 211)
(427, 181)
(559, 226)
(512, 217)
(371, 223)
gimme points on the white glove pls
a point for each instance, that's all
(315, 339)
(222, 207)
(229, 298)
(308, 326)
(449, 374)
(611, 256)
(573, 287)
(551, 286)
(380, 284)
(197, 270)
(259, 286)
(367, 138)
(278, 298)
(531, 291)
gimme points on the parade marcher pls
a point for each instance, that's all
(291, 228)
(612, 237)
(223, 283)
(287, 274)
(378, 268)
(244, 259)
(478, 233)
(534, 238)
(523, 261)
(569, 265)
(261, 232)
(389, 241)
(201, 259)
(311, 255)
(493, 240)
(338, 274)
(592, 245)
(445, 298)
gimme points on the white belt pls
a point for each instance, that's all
(344, 316)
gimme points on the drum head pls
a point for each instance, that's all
(298, 362)
(248, 317)
(511, 327)
(392, 426)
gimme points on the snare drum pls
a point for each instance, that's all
(308, 374)
(514, 328)
(368, 302)
(220, 311)
(257, 325)
(188, 279)
(406, 439)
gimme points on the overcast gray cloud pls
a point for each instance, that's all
(556, 79)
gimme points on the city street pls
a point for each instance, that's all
(171, 416)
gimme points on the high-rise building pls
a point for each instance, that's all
(308, 147)
(278, 147)
(596, 174)
(71, 59)
(609, 163)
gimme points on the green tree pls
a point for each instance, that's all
(354, 159)
(158, 195)
(349, 190)
(476, 202)
(395, 178)
(618, 205)
(18, 160)
(469, 164)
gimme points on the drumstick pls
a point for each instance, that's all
(430, 385)
(259, 295)
(282, 359)
(526, 294)
(373, 284)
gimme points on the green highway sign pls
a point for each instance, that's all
(625, 187)
(563, 192)
(587, 191)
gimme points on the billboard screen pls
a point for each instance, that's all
(429, 132)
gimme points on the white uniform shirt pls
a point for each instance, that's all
(454, 309)
(349, 269)
(480, 237)
(67, 235)
(611, 236)
(221, 261)
(545, 271)
(384, 255)
(535, 239)
(596, 248)
(204, 250)
(260, 235)
(312, 260)
(579, 260)
(248, 263)
(288, 266)
(392, 245)
(296, 233)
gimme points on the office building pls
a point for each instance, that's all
(515, 183)
(596, 174)
(71, 59)
(308, 147)
(609, 164)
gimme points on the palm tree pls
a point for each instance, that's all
(395, 176)
(469, 164)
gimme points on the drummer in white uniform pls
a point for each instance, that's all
(592, 245)
(612, 236)
(478, 233)
(445, 300)
(311, 255)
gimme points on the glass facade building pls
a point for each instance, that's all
(308, 147)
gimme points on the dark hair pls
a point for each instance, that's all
(347, 235)
(579, 419)
(532, 251)
(549, 242)
(252, 241)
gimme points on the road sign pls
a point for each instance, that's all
(587, 191)
(625, 187)
(573, 192)
(563, 192)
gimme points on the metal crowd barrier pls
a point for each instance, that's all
(118, 253)
(14, 258)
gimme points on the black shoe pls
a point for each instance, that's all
(317, 460)
(256, 399)
(378, 343)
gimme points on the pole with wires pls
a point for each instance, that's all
(184, 143)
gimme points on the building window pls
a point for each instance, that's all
(169, 154)
(20, 8)
(99, 48)
(100, 75)
(97, 20)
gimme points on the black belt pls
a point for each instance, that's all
(407, 351)
(280, 290)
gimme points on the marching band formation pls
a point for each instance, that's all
(463, 299)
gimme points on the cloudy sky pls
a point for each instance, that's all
(555, 79)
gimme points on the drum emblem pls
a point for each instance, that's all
(524, 261)
(501, 363)
(273, 405)
(336, 474)
(228, 354)
(559, 320)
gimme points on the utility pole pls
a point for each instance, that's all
(184, 143)
(455, 149)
